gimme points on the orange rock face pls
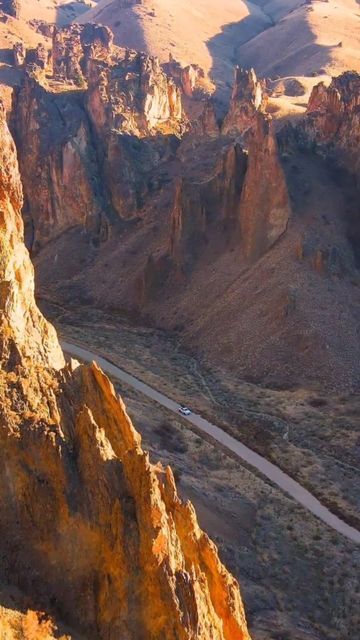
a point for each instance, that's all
(207, 207)
(264, 205)
(88, 526)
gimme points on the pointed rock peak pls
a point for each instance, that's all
(248, 97)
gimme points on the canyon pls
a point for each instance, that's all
(89, 527)
(136, 167)
(191, 206)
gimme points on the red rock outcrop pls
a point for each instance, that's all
(25, 335)
(246, 195)
(135, 110)
(57, 157)
(75, 45)
(188, 78)
(207, 206)
(264, 205)
(333, 118)
(88, 526)
(133, 96)
(89, 151)
(247, 99)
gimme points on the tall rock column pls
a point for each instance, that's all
(264, 205)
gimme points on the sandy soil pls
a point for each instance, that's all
(58, 11)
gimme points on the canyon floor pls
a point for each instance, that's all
(273, 546)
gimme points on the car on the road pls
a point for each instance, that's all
(185, 411)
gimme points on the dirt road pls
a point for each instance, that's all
(271, 471)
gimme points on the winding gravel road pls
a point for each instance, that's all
(273, 473)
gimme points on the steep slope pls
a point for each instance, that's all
(303, 37)
(307, 39)
(163, 216)
(185, 30)
(88, 527)
(53, 11)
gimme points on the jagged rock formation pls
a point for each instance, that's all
(25, 335)
(19, 54)
(133, 96)
(88, 527)
(188, 78)
(56, 151)
(332, 126)
(247, 99)
(74, 46)
(82, 145)
(264, 205)
(129, 103)
(246, 197)
(333, 118)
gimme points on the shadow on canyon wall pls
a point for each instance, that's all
(247, 43)
(67, 13)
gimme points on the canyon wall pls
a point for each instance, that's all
(58, 158)
(88, 133)
(333, 119)
(245, 200)
(89, 528)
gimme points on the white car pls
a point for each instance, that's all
(184, 411)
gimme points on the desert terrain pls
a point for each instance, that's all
(199, 230)
(278, 39)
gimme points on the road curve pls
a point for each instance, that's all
(271, 471)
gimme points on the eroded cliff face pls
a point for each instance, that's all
(332, 127)
(333, 119)
(57, 160)
(74, 46)
(88, 526)
(88, 134)
(25, 335)
(245, 200)
(207, 207)
(265, 205)
(133, 96)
